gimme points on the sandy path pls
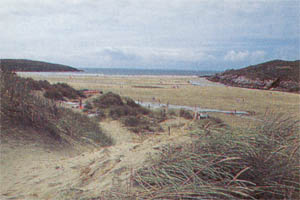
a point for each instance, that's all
(38, 174)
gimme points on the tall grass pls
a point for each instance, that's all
(261, 163)
(22, 109)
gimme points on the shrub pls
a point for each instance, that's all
(44, 84)
(67, 91)
(185, 114)
(137, 118)
(131, 103)
(120, 111)
(132, 121)
(60, 91)
(100, 114)
(107, 100)
(159, 115)
(141, 124)
(88, 106)
(81, 126)
(54, 94)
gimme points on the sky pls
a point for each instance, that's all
(164, 34)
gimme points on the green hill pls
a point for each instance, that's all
(31, 65)
(276, 75)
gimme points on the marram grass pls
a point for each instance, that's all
(261, 163)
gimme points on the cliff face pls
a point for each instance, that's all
(274, 75)
(30, 65)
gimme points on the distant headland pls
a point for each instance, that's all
(24, 65)
(277, 75)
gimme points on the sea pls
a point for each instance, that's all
(125, 72)
(150, 72)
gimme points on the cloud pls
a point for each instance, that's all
(145, 57)
(149, 33)
(237, 56)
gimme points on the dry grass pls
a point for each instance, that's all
(21, 109)
(261, 163)
(225, 98)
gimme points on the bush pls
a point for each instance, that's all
(54, 94)
(108, 100)
(185, 114)
(60, 91)
(137, 118)
(44, 84)
(88, 105)
(120, 111)
(141, 124)
(132, 121)
(67, 91)
(81, 126)
(260, 164)
(100, 114)
(131, 103)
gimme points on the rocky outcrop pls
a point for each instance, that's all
(273, 75)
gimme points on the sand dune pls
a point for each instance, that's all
(32, 172)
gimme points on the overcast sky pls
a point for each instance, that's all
(181, 34)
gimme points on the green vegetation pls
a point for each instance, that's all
(21, 109)
(261, 163)
(185, 114)
(32, 66)
(60, 91)
(137, 118)
(276, 74)
(286, 70)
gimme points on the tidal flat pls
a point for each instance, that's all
(182, 90)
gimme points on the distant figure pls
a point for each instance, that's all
(169, 130)
(80, 103)
(167, 109)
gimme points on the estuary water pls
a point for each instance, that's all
(196, 109)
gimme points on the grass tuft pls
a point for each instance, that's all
(261, 163)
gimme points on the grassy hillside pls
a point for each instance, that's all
(31, 65)
(276, 74)
(21, 110)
